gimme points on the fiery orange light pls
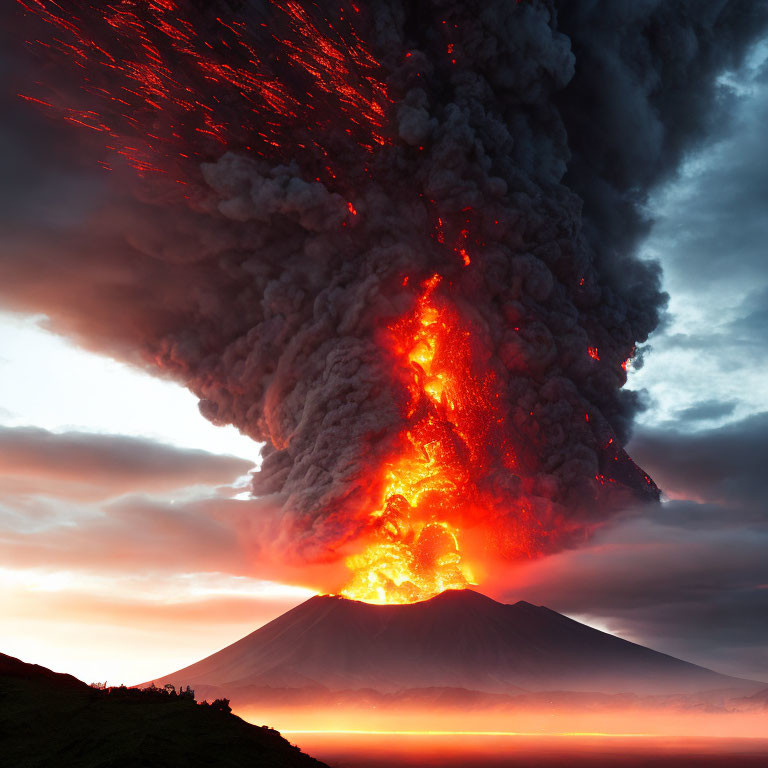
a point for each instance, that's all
(416, 552)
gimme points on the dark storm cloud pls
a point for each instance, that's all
(706, 410)
(691, 580)
(723, 228)
(725, 465)
(686, 577)
(91, 466)
(712, 231)
(642, 96)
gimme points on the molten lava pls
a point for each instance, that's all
(428, 487)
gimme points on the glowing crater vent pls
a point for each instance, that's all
(428, 485)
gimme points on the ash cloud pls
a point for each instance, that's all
(643, 94)
(266, 295)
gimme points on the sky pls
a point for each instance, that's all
(124, 534)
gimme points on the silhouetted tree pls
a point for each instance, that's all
(221, 705)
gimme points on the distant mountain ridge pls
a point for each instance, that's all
(458, 639)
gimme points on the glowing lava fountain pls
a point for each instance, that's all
(427, 487)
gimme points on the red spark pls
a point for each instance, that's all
(154, 78)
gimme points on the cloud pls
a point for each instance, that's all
(688, 577)
(128, 628)
(686, 581)
(724, 465)
(266, 295)
(167, 289)
(137, 533)
(706, 410)
(77, 465)
(641, 100)
(132, 534)
(168, 605)
(716, 208)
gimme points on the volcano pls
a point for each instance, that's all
(459, 639)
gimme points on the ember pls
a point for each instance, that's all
(156, 84)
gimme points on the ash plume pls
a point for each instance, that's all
(513, 152)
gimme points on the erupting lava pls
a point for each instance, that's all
(451, 413)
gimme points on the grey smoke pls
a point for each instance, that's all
(265, 295)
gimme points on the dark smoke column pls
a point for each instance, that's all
(469, 188)
(489, 143)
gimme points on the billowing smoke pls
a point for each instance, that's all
(507, 147)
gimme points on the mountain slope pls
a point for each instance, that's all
(458, 639)
(50, 719)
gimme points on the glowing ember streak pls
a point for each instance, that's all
(451, 412)
(593, 353)
(171, 85)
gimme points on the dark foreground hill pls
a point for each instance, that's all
(50, 720)
(459, 639)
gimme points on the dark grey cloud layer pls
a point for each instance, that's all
(724, 465)
(687, 581)
(641, 97)
(687, 577)
(711, 234)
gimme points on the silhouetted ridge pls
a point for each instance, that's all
(11, 667)
(52, 719)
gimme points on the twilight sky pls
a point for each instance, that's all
(124, 533)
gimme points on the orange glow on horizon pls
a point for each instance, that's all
(537, 734)
(438, 727)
